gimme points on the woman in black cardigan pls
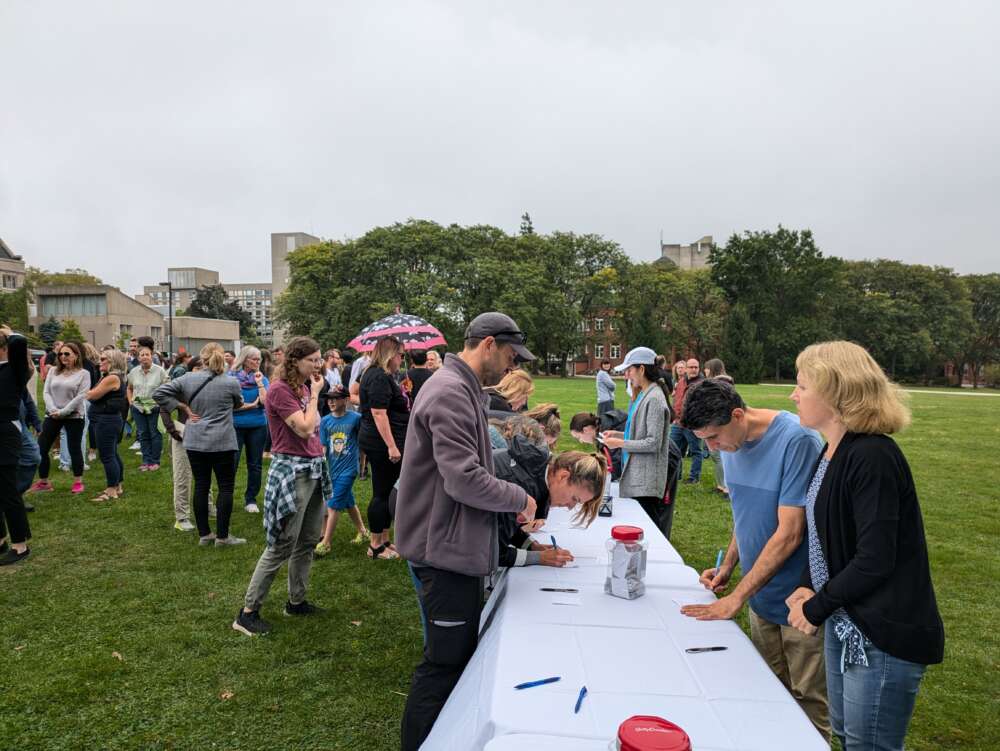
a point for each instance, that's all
(868, 578)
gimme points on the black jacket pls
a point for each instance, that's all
(872, 534)
(523, 464)
(613, 419)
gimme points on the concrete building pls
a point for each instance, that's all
(185, 283)
(12, 269)
(106, 315)
(282, 243)
(687, 257)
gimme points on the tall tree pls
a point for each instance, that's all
(983, 344)
(527, 228)
(71, 331)
(14, 309)
(212, 302)
(740, 349)
(49, 331)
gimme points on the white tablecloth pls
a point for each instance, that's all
(629, 654)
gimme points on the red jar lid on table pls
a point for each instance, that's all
(648, 733)
(626, 533)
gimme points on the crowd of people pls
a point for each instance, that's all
(827, 529)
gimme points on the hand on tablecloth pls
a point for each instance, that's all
(720, 610)
(715, 579)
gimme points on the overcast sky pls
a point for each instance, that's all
(139, 135)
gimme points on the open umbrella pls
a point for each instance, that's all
(414, 332)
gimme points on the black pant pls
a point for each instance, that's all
(12, 514)
(384, 477)
(254, 439)
(74, 434)
(106, 429)
(662, 514)
(451, 604)
(203, 463)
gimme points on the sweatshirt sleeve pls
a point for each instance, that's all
(874, 484)
(82, 387)
(456, 453)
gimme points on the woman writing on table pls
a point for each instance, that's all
(868, 582)
(645, 442)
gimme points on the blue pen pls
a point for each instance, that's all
(553, 538)
(542, 682)
(718, 561)
(579, 700)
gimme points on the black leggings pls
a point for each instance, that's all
(74, 434)
(384, 477)
(661, 513)
(12, 513)
(203, 463)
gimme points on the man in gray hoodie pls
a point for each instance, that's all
(447, 510)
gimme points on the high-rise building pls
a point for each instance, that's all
(687, 257)
(282, 243)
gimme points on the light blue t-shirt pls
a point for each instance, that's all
(764, 474)
(339, 436)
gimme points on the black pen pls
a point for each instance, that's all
(556, 589)
(699, 650)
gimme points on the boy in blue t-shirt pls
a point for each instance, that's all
(338, 432)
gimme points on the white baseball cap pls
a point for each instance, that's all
(637, 356)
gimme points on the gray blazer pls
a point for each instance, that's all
(647, 467)
(214, 405)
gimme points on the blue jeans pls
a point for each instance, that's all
(690, 444)
(64, 458)
(150, 440)
(419, 587)
(254, 439)
(870, 707)
(107, 427)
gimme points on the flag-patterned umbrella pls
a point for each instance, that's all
(414, 332)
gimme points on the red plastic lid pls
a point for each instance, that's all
(626, 532)
(648, 733)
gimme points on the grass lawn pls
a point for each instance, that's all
(116, 632)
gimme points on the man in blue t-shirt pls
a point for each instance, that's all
(769, 460)
(338, 432)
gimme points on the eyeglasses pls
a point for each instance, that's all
(65, 354)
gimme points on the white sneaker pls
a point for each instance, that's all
(252, 508)
(135, 446)
(184, 526)
(221, 542)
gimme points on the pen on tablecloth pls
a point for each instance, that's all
(542, 682)
(557, 589)
(553, 538)
(718, 561)
(699, 650)
(579, 700)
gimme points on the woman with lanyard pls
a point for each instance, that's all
(250, 421)
(15, 372)
(108, 401)
(645, 442)
(385, 413)
(208, 399)
(868, 580)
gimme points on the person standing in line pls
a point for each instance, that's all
(605, 388)
(108, 399)
(511, 395)
(334, 362)
(179, 367)
(338, 432)
(685, 440)
(65, 401)
(645, 442)
(715, 368)
(251, 422)
(230, 358)
(208, 399)
(385, 413)
(51, 358)
(358, 366)
(447, 510)
(16, 369)
(298, 482)
(418, 373)
(433, 360)
(769, 459)
(142, 382)
(29, 458)
(867, 581)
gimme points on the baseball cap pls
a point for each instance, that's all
(502, 328)
(337, 392)
(637, 356)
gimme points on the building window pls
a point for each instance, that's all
(73, 305)
(586, 348)
(613, 324)
(598, 324)
(585, 324)
(616, 351)
(9, 281)
(599, 349)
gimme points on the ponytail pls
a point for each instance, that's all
(585, 470)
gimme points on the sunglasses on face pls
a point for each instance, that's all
(65, 354)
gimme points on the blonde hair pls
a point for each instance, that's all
(515, 384)
(587, 471)
(855, 387)
(547, 415)
(213, 358)
(117, 362)
(91, 353)
(386, 348)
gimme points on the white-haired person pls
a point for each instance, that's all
(250, 421)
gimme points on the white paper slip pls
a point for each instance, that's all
(692, 599)
(566, 598)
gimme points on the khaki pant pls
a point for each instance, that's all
(296, 545)
(798, 662)
(183, 479)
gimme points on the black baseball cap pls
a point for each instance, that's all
(502, 328)
(337, 392)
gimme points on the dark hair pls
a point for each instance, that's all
(76, 350)
(194, 362)
(147, 342)
(583, 420)
(710, 403)
(230, 352)
(605, 361)
(298, 348)
(654, 374)
(715, 367)
(418, 357)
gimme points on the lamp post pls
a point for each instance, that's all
(170, 317)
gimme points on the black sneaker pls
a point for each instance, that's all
(12, 556)
(251, 623)
(303, 608)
